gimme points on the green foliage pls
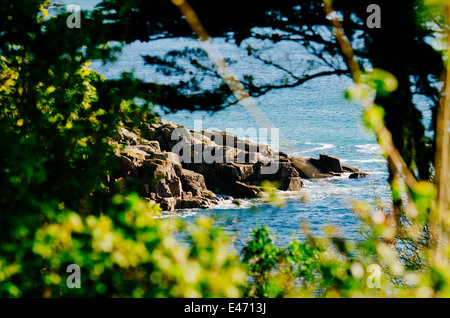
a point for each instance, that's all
(58, 205)
(125, 252)
(313, 268)
(262, 257)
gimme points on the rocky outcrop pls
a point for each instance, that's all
(180, 168)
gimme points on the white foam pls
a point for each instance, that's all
(220, 205)
(368, 148)
(322, 146)
(178, 214)
(243, 204)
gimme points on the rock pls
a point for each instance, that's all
(332, 164)
(175, 186)
(233, 171)
(349, 168)
(166, 156)
(162, 143)
(193, 182)
(242, 190)
(168, 204)
(286, 171)
(358, 175)
(187, 195)
(159, 155)
(194, 203)
(149, 146)
(294, 184)
(172, 136)
(117, 136)
(219, 154)
(148, 131)
(160, 179)
(135, 152)
(244, 170)
(126, 167)
(223, 164)
(227, 139)
(308, 168)
(208, 172)
(319, 165)
(130, 137)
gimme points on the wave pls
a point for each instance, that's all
(322, 146)
(243, 204)
(368, 148)
(178, 214)
(220, 205)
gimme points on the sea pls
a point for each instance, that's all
(314, 118)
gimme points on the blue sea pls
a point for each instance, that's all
(314, 118)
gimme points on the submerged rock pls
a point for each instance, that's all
(357, 175)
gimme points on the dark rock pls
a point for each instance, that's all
(357, 175)
(227, 139)
(332, 164)
(319, 165)
(307, 168)
(194, 203)
(162, 143)
(208, 172)
(175, 187)
(148, 131)
(127, 167)
(242, 190)
(233, 171)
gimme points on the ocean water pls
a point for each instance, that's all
(313, 118)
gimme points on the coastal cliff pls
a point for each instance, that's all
(180, 168)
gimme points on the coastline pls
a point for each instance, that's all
(183, 169)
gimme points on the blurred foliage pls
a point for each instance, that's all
(58, 205)
(405, 248)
